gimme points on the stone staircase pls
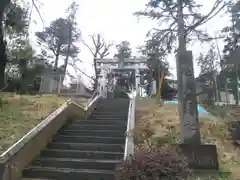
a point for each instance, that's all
(85, 149)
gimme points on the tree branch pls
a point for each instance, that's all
(34, 4)
(76, 67)
(88, 47)
(208, 16)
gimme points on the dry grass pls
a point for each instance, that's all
(20, 113)
(164, 121)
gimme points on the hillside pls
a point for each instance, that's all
(164, 122)
(19, 114)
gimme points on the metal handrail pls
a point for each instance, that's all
(92, 98)
(129, 142)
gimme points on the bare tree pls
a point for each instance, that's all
(99, 50)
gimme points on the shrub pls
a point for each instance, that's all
(154, 164)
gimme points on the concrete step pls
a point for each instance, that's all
(109, 103)
(87, 139)
(85, 149)
(77, 163)
(109, 133)
(107, 117)
(109, 114)
(35, 179)
(99, 122)
(111, 109)
(95, 127)
(100, 118)
(67, 173)
(87, 146)
(60, 153)
(114, 101)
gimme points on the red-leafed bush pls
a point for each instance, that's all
(154, 164)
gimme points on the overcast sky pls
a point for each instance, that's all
(113, 19)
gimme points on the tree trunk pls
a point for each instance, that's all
(68, 48)
(95, 69)
(57, 57)
(226, 89)
(181, 28)
(23, 71)
(3, 56)
(157, 76)
(161, 84)
(237, 86)
(64, 68)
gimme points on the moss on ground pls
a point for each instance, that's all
(163, 121)
(20, 113)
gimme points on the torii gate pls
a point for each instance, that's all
(136, 65)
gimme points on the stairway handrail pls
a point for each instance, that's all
(129, 143)
(92, 99)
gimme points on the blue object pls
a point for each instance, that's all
(199, 107)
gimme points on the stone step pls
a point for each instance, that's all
(60, 153)
(115, 99)
(67, 173)
(99, 117)
(87, 139)
(35, 179)
(87, 146)
(77, 163)
(102, 116)
(114, 102)
(109, 133)
(99, 122)
(85, 149)
(111, 109)
(108, 115)
(95, 127)
(108, 103)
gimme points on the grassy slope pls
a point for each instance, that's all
(19, 114)
(165, 123)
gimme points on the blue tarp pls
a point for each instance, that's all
(199, 107)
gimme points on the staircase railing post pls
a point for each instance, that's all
(129, 143)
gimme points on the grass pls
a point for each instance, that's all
(164, 122)
(20, 113)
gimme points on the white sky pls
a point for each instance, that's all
(114, 21)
